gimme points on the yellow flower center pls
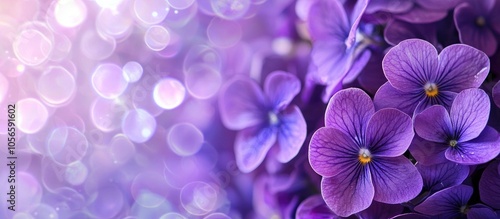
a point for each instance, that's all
(431, 89)
(480, 21)
(364, 156)
(453, 143)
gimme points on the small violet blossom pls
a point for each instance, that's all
(418, 77)
(265, 120)
(460, 136)
(360, 154)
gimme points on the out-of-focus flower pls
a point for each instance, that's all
(496, 94)
(418, 77)
(265, 119)
(489, 185)
(460, 136)
(360, 154)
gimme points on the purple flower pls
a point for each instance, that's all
(452, 203)
(477, 22)
(396, 31)
(427, 11)
(418, 77)
(336, 48)
(489, 185)
(460, 136)
(360, 154)
(441, 176)
(265, 119)
(496, 94)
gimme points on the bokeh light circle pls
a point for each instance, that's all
(4, 87)
(202, 54)
(70, 13)
(107, 202)
(76, 173)
(172, 215)
(29, 192)
(108, 81)
(138, 125)
(97, 47)
(149, 189)
(56, 85)
(169, 93)
(44, 211)
(198, 198)
(109, 4)
(230, 9)
(157, 37)
(113, 23)
(151, 11)
(67, 145)
(217, 32)
(32, 47)
(132, 71)
(217, 216)
(180, 4)
(107, 114)
(31, 115)
(121, 149)
(202, 81)
(185, 139)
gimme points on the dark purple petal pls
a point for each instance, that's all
(349, 192)
(439, 5)
(397, 31)
(328, 21)
(480, 150)
(427, 152)
(389, 133)
(441, 176)
(393, 6)
(357, 66)
(461, 67)
(470, 33)
(372, 76)
(433, 124)
(291, 133)
(395, 179)
(496, 94)
(381, 210)
(242, 104)
(349, 111)
(390, 97)
(281, 87)
(446, 202)
(469, 114)
(479, 211)
(332, 152)
(252, 145)
(494, 18)
(410, 216)
(444, 98)
(489, 185)
(410, 65)
(314, 207)
(420, 15)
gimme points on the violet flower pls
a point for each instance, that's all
(477, 22)
(418, 77)
(489, 185)
(459, 136)
(360, 154)
(452, 203)
(265, 119)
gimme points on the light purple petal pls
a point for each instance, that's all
(447, 201)
(441, 176)
(389, 133)
(357, 66)
(395, 179)
(349, 192)
(479, 211)
(349, 111)
(469, 113)
(381, 210)
(427, 152)
(439, 5)
(389, 97)
(328, 21)
(470, 33)
(461, 67)
(397, 31)
(314, 207)
(241, 104)
(480, 150)
(420, 15)
(332, 152)
(410, 65)
(433, 124)
(252, 145)
(281, 87)
(291, 134)
(393, 6)
(332, 59)
(489, 185)
(496, 94)
(355, 18)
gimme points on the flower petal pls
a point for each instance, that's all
(461, 67)
(496, 94)
(389, 133)
(427, 152)
(411, 216)
(469, 114)
(314, 207)
(489, 185)
(479, 211)
(328, 21)
(470, 33)
(332, 152)
(390, 97)
(441, 5)
(441, 176)
(411, 64)
(446, 202)
(349, 192)
(480, 150)
(241, 104)
(395, 179)
(333, 61)
(291, 133)
(381, 210)
(252, 145)
(349, 111)
(281, 87)
(420, 15)
(397, 31)
(444, 98)
(355, 18)
(433, 124)
(393, 6)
